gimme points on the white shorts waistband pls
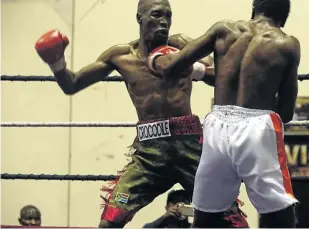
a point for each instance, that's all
(236, 113)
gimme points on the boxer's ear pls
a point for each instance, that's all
(138, 18)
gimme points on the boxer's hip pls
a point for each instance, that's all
(171, 127)
(243, 144)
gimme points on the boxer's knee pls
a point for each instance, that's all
(107, 224)
(285, 218)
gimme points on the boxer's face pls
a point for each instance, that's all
(155, 21)
(30, 217)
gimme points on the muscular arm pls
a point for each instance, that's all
(288, 89)
(196, 50)
(180, 41)
(72, 82)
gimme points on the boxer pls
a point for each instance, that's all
(243, 135)
(167, 148)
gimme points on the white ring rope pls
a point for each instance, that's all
(102, 124)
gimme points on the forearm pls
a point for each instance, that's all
(200, 71)
(286, 102)
(210, 76)
(66, 80)
(285, 110)
(183, 60)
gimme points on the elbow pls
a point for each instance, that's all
(287, 118)
(69, 91)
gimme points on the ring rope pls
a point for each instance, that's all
(50, 78)
(108, 79)
(7, 176)
(68, 124)
(102, 124)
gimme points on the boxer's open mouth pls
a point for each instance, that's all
(163, 31)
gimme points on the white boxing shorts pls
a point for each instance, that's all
(246, 145)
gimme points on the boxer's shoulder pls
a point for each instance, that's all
(291, 49)
(115, 51)
(291, 43)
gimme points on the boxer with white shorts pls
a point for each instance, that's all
(256, 67)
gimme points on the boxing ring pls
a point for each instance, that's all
(78, 177)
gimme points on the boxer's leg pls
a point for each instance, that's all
(263, 167)
(145, 177)
(107, 224)
(216, 184)
(189, 150)
(279, 219)
(209, 220)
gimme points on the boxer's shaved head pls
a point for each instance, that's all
(155, 19)
(145, 5)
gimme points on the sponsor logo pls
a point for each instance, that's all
(160, 129)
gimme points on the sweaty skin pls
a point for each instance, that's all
(254, 62)
(153, 97)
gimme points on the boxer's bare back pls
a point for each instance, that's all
(254, 62)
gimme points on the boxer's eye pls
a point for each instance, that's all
(156, 14)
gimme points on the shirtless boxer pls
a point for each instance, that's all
(167, 147)
(243, 135)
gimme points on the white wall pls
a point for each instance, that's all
(89, 150)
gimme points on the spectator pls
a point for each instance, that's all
(30, 216)
(172, 217)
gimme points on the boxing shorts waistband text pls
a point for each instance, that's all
(159, 129)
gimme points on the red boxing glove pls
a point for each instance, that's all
(160, 51)
(50, 47)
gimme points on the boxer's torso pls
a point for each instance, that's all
(250, 61)
(152, 96)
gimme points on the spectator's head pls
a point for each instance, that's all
(177, 197)
(30, 216)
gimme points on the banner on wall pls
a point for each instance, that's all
(297, 140)
(297, 151)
